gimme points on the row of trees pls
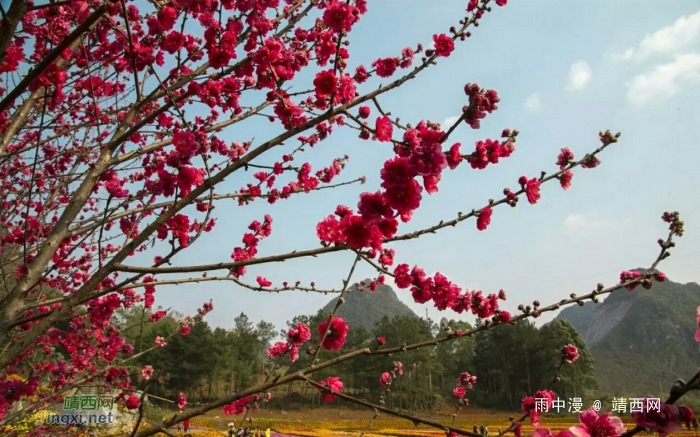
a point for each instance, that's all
(509, 362)
(207, 362)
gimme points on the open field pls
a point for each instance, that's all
(323, 414)
(350, 423)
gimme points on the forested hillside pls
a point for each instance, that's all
(366, 308)
(510, 362)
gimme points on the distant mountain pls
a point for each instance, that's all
(641, 341)
(364, 308)
(579, 317)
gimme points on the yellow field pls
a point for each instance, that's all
(401, 427)
(205, 427)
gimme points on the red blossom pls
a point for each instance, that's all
(374, 207)
(627, 276)
(385, 66)
(405, 198)
(565, 179)
(157, 316)
(590, 161)
(484, 218)
(566, 156)
(337, 333)
(277, 349)
(339, 15)
(532, 189)
(263, 282)
(358, 234)
(570, 353)
(237, 407)
(444, 45)
(325, 83)
(132, 403)
(383, 128)
(333, 383)
(397, 172)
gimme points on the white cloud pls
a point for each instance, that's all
(664, 80)
(533, 103)
(579, 75)
(449, 121)
(586, 224)
(667, 40)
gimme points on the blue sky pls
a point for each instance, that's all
(564, 70)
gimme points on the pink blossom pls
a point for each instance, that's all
(385, 380)
(157, 316)
(263, 282)
(181, 401)
(237, 407)
(665, 421)
(277, 349)
(530, 405)
(147, 372)
(570, 353)
(334, 383)
(565, 179)
(532, 190)
(566, 156)
(593, 425)
(160, 342)
(299, 334)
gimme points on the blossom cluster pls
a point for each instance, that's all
(464, 382)
(296, 336)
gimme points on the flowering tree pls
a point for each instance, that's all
(100, 161)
